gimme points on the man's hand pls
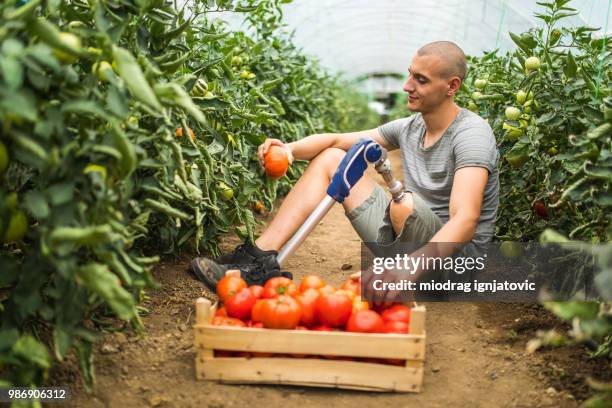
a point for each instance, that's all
(384, 297)
(263, 149)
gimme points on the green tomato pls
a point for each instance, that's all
(553, 151)
(244, 74)
(532, 64)
(102, 69)
(480, 83)
(200, 88)
(226, 192)
(11, 201)
(512, 113)
(473, 107)
(236, 60)
(512, 132)
(4, 158)
(521, 97)
(476, 95)
(16, 228)
(70, 40)
(511, 249)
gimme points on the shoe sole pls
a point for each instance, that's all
(199, 273)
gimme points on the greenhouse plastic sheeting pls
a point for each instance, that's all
(363, 37)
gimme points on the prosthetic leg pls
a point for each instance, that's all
(350, 170)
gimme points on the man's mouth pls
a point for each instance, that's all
(412, 98)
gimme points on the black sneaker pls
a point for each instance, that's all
(248, 253)
(211, 272)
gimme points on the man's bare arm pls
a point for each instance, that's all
(464, 207)
(309, 147)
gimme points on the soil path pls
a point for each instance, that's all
(471, 360)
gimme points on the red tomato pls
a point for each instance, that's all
(279, 286)
(227, 321)
(540, 209)
(221, 312)
(397, 313)
(257, 291)
(229, 286)
(256, 311)
(349, 293)
(240, 305)
(308, 301)
(365, 321)
(323, 328)
(359, 304)
(381, 307)
(327, 289)
(283, 312)
(311, 282)
(392, 326)
(257, 325)
(352, 285)
(333, 309)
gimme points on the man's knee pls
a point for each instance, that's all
(400, 212)
(329, 159)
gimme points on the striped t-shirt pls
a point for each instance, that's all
(468, 141)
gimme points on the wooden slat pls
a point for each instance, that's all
(417, 320)
(398, 346)
(312, 372)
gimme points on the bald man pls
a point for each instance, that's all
(449, 158)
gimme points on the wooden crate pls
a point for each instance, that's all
(314, 371)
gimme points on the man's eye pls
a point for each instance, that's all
(421, 81)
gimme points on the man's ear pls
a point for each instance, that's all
(453, 86)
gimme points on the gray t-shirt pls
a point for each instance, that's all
(468, 141)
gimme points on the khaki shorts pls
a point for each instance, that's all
(371, 220)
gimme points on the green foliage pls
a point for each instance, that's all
(556, 156)
(92, 95)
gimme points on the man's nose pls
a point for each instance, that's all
(408, 86)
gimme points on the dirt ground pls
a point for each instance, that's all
(475, 351)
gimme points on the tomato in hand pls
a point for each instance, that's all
(228, 286)
(365, 321)
(333, 309)
(283, 312)
(279, 286)
(240, 305)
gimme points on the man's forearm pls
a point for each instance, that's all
(309, 147)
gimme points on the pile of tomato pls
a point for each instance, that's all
(310, 305)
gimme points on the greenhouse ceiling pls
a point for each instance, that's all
(364, 37)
